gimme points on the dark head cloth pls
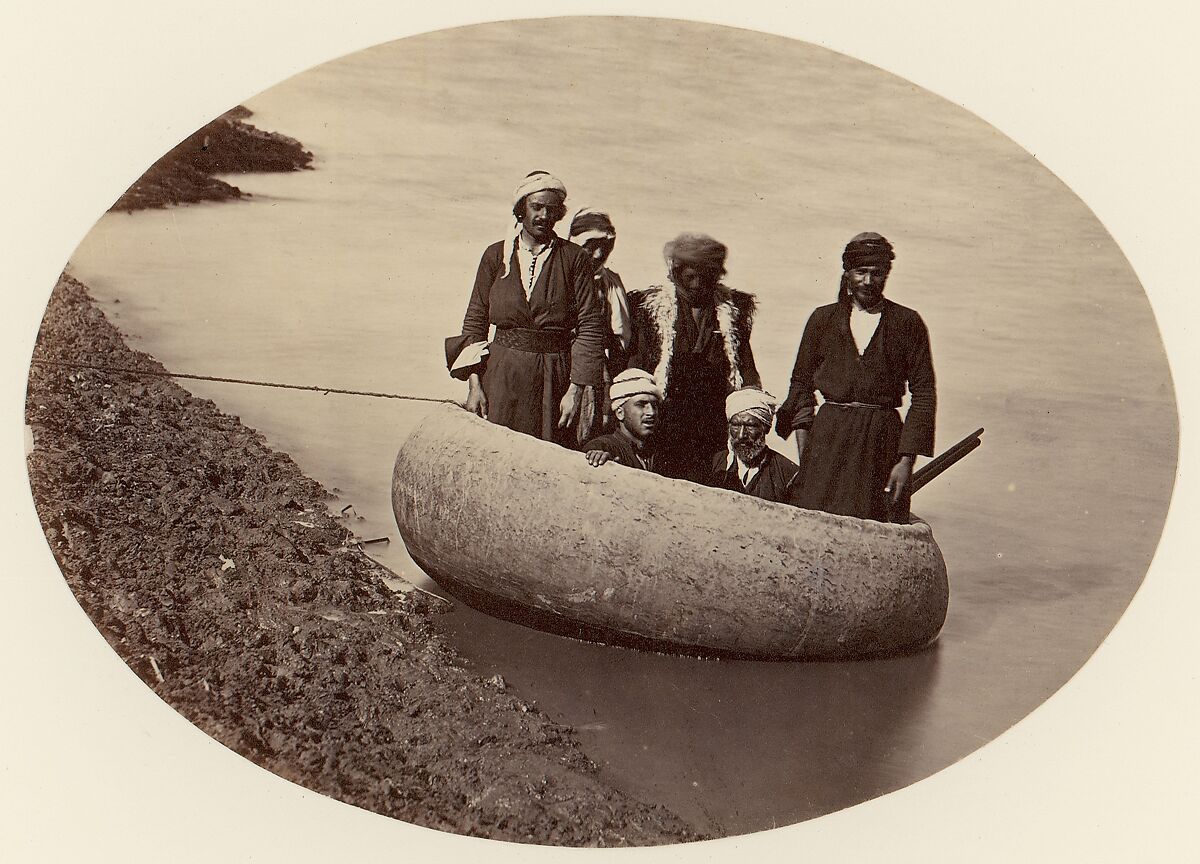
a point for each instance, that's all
(591, 222)
(866, 250)
(698, 250)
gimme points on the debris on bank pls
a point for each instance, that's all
(213, 567)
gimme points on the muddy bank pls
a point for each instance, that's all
(214, 568)
(227, 145)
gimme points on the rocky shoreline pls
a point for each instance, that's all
(227, 145)
(213, 567)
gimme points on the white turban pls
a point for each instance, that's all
(538, 181)
(630, 383)
(760, 403)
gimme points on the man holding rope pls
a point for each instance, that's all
(539, 292)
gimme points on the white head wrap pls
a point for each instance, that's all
(630, 383)
(538, 181)
(760, 403)
(535, 181)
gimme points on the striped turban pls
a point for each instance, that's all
(760, 403)
(630, 383)
(868, 250)
(590, 224)
(698, 250)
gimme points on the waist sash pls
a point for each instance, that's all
(852, 404)
(532, 340)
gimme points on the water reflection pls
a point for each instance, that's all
(734, 745)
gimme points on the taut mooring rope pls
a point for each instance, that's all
(154, 373)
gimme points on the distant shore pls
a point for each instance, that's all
(213, 567)
(227, 145)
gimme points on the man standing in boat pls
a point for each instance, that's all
(538, 290)
(860, 353)
(750, 466)
(594, 230)
(636, 400)
(694, 334)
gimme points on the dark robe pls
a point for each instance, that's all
(773, 482)
(623, 451)
(699, 363)
(610, 285)
(565, 313)
(850, 451)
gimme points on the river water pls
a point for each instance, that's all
(350, 275)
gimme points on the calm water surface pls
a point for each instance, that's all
(350, 276)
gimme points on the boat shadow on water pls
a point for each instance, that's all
(731, 745)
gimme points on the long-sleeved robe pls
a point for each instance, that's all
(851, 449)
(616, 303)
(616, 314)
(698, 363)
(542, 344)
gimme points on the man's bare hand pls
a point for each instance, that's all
(898, 479)
(568, 408)
(476, 402)
(596, 458)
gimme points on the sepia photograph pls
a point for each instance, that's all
(609, 429)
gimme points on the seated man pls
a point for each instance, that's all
(750, 466)
(635, 399)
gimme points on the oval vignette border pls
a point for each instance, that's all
(1045, 741)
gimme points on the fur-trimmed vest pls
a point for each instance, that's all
(655, 313)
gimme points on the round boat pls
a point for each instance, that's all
(529, 531)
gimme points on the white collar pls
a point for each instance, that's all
(854, 307)
(746, 472)
(529, 248)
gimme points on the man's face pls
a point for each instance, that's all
(695, 281)
(639, 415)
(866, 284)
(542, 210)
(599, 248)
(747, 436)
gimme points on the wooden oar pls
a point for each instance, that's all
(945, 460)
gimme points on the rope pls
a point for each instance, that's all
(120, 370)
